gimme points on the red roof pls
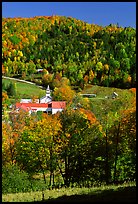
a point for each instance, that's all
(58, 104)
(34, 106)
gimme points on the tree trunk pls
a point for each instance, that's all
(50, 181)
(116, 152)
(66, 171)
(42, 170)
(61, 172)
(106, 161)
(44, 175)
(53, 179)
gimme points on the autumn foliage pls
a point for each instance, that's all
(75, 143)
(82, 52)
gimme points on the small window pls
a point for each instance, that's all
(49, 112)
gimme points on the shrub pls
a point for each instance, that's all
(14, 180)
(12, 89)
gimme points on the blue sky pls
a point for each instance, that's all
(101, 13)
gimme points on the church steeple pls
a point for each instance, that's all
(48, 96)
(48, 91)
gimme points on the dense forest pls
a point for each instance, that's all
(67, 47)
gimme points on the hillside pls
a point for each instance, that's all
(99, 105)
(103, 102)
(25, 90)
(67, 47)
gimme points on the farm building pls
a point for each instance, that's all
(51, 107)
(44, 104)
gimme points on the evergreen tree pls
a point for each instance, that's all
(11, 90)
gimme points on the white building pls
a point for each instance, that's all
(47, 98)
(51, 107)
(45, 104)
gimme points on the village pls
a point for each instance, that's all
(44, 104)
(47, 105)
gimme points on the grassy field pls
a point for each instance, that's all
(101, 105)
(26, 90)
(121, 193)
(102, 92)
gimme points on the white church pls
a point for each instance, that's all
(45, 99)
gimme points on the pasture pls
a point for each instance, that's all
(111, 193)
(26, 90)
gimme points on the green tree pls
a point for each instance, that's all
(76, 127)
(14, 39)
(12, 89)
(39, 137)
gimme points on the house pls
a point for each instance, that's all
(32, 107)
(45, 104)
(39, 70)
(57, 106)
(88, 95)
(113, 96)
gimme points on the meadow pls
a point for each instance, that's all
(26, 90)
(103, 102)
(111, 193)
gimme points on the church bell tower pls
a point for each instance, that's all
(48, 96)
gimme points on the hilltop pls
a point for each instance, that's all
(66, 47)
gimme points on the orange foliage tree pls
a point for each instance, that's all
(39, 137)
(64, 91)
(11, 131)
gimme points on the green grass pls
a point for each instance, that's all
(101, 91)
(26, 90)
(101, 105)
(124, 192)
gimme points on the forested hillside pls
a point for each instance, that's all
(67, 47)
(93, 136)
